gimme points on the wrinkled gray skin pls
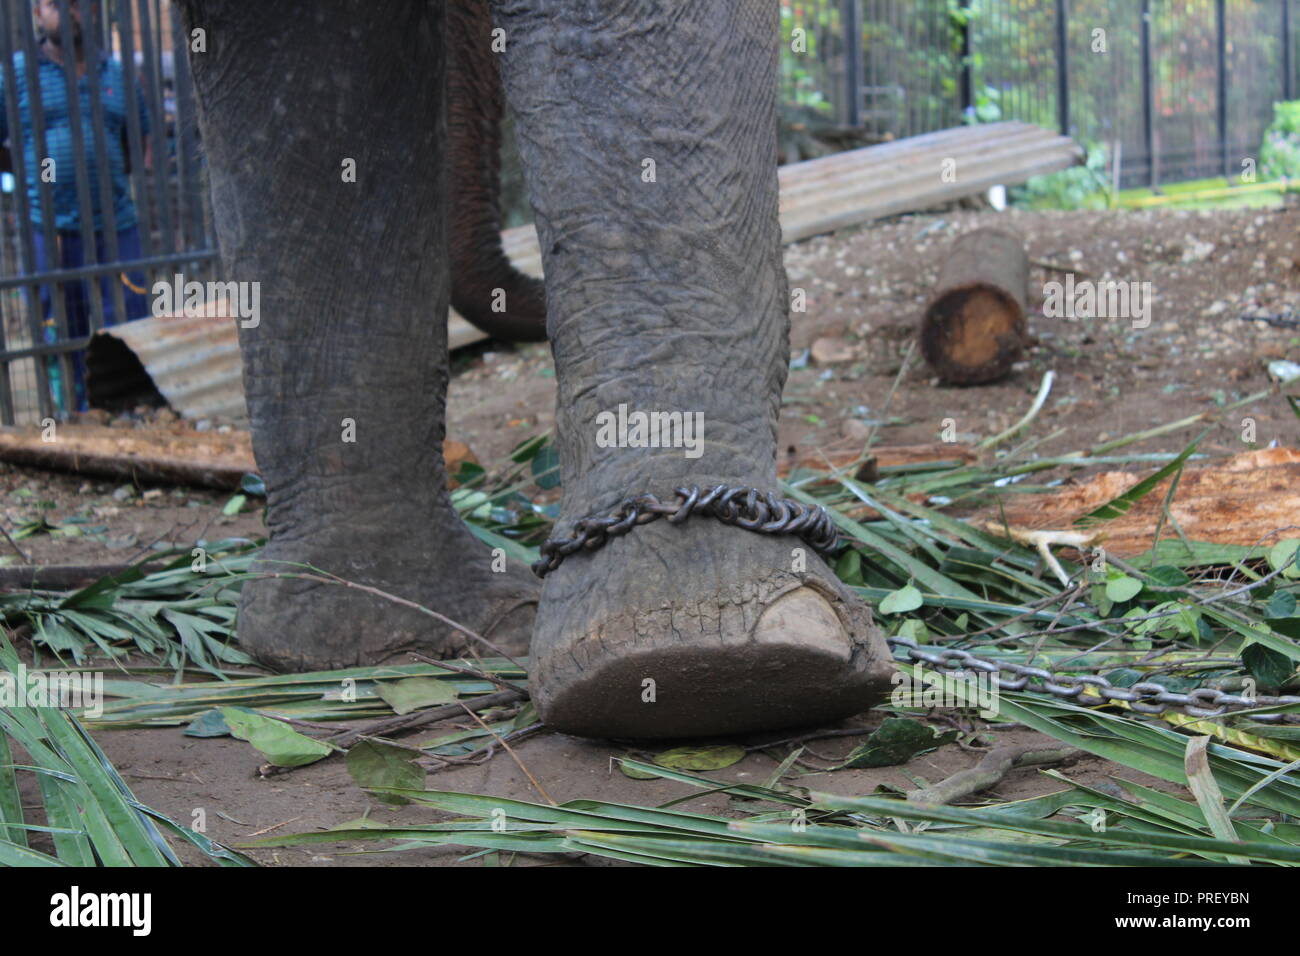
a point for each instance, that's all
(666, 295)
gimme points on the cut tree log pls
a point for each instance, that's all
(161, 455)
(1248, 500)
(973, 329)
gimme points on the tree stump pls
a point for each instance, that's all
(974, 328)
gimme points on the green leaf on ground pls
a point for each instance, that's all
(274, 739)
(1123, 588)
(701, 758)
(1281, 553)
(901, 601)
(895, 742)
(378, 763)
(209, 724)
(415, 693)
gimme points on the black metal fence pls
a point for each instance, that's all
(1176, 89)
(81, 247)
(1172, 89)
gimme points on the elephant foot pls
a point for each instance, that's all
(289, 623)
(700, 629)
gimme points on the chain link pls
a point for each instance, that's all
(748, 508)
(1145, 698)
(767, 513)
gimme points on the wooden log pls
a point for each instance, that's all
(1248, 499)
(202, 459)
(974, 328)
(176, 456)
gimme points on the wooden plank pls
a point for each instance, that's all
(1240, 500)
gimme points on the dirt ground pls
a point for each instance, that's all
(179, 775)
(865, 289)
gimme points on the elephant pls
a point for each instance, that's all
(647, 132)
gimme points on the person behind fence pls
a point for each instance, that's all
(67, 166)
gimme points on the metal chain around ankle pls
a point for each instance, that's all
(1145, 698)
(767, 513)
(746, 508)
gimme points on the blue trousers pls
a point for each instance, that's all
(78, 302)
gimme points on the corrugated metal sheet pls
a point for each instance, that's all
(193, 361)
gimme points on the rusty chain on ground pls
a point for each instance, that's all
(748, 508)
(1145, 697)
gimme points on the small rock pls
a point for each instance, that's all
(124, 493)
(829, 351)
(93, 416)
(855, 430)
(1284, 371)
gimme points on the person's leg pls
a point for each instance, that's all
(43, 262)
(648, 138)
(68, 255)
(135, 284)
(132, 284)
(79, 301)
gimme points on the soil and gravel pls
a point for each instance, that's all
(1209, 273)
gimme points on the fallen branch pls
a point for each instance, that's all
(393, 725)
(63, 577)
(990, 771)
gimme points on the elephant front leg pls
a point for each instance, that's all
(648, 135)
(324, 128)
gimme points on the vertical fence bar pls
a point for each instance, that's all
(85, 202)
(153, 83)
(135, 133)
(853, 61)
(1063, 67)
(1221, 45)
(49, 215)
(1288, 74)
(1148, 96)
(23, 218)
(108, 208)
(967, 66)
